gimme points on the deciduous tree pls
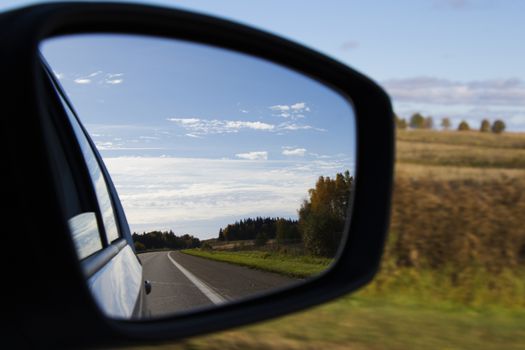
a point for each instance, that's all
(323, 215)
(445, 123)
(463, 126)
(417, 121)
(428, 123)
(498, 126)
(401, 123)
(485, 126)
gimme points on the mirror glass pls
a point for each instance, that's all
(235, 174)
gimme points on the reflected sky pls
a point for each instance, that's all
(99, 183)
(174, 119)
(85, 233)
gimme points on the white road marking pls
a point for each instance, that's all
(207, 291)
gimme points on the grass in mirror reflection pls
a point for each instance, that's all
(292, 265)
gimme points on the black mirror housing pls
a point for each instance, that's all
(49, 302)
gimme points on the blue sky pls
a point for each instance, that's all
(445, 58)
(151, 87)
(197, 137)
(457, 58)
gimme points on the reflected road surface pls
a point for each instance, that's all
(182, 282)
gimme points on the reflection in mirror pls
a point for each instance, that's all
(235, 173)
(84, 229)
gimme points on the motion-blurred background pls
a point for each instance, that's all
(453, 275)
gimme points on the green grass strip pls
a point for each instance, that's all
(289, 265)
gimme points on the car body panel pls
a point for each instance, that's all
(116, 286)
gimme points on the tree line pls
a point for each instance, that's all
(164, 240)
(261, 230)
(418, 121)
(321, 220)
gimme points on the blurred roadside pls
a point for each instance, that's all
(453, 272)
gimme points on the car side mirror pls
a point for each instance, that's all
(91, 269)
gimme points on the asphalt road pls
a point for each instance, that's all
(181, 282)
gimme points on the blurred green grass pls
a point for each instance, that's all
(364, 322)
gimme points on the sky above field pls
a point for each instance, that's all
(444, 58)
(457, 58)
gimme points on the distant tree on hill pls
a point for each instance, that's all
(498, 126)
(417, 121)
(401, 123)
(463, 126)
(445, 123)
(485, 126)
(428, 123)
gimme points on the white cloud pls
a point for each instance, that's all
(59, 76)
(295, 127)
(259, 155)
(108, 78)
(293, 111)
(82, 81)
(104, 145)
(298, 152)
(200, 127)
(300, 106)
(113, 79)
(321, 156)
(197, 126)
(280, 108)
(94, 74)
(500, 92)
(249, 125)
(185, 121)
